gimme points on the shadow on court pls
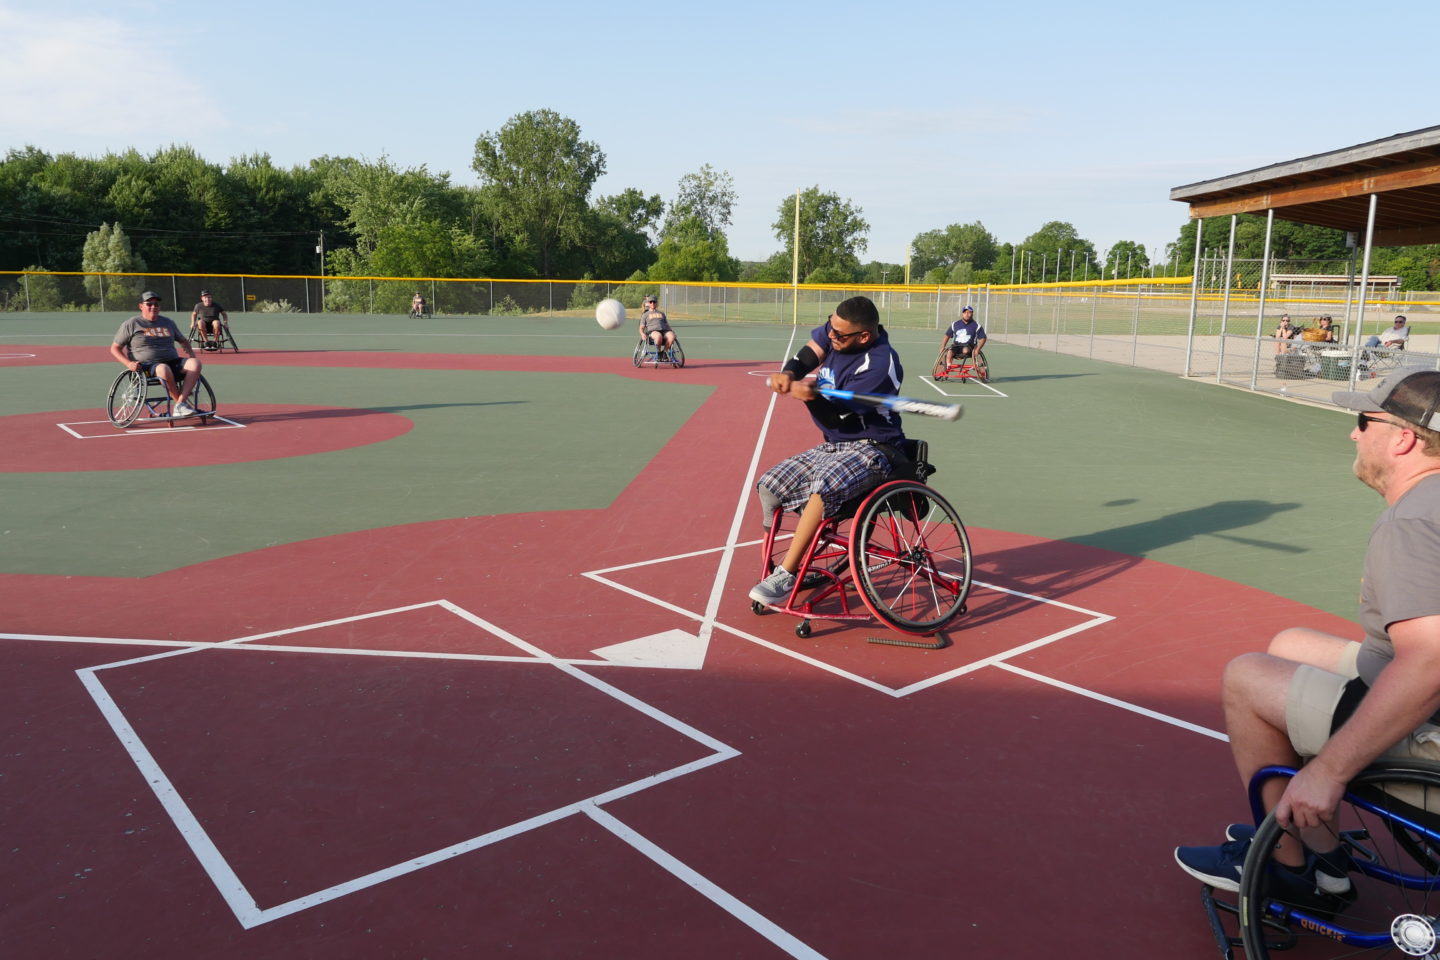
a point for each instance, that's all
(1061, 568)
(1141, 538)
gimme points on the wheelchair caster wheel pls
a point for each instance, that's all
(803, 630)
(756, 607)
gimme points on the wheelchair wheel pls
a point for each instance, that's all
(226, 337)
(639, 356)
(911, 558)
(677, 356)
(202, 398)
(1390, 847)
(982, 367)
(127, 398)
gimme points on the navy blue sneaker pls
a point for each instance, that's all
(1217, 866)
(1240, 831)
(1311, 890)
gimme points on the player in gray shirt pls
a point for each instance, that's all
(148, 343)
(1331, 703)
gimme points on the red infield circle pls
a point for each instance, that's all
(80, 440)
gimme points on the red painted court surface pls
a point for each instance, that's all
(564, 734)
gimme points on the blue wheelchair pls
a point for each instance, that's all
(1388, 833)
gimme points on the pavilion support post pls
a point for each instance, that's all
(1264, 289)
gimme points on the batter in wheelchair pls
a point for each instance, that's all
(905, 553)
(156, 381)
(1339, 740)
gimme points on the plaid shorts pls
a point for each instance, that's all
(837, 471)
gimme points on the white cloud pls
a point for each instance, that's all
(74, 79)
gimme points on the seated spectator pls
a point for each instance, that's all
(1322, 332)
(1286, 331)
(1394, 338)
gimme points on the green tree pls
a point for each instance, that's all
(691, 255)
(108, 250)
(952, 246)
(1126, 259)
(618, 236)
(703, 202)
(832, 235)
(40, 291)
(877, 272)
(1288, 241)
(537, 174)
(1054, 241)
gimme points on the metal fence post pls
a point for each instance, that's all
(1264, 291)
(1194, 291)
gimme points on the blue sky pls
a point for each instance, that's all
(921, 114)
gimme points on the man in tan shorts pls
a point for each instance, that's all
(1333, 704)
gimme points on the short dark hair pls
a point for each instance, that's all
(859, 311)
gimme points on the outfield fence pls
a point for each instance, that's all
(1215, 326)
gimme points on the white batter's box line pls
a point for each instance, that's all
(1095, 619)
(966, 396)
(237, 896)
(142, 428)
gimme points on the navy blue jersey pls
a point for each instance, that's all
(963, 333)
(873, 370)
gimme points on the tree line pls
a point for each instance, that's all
(533, 214)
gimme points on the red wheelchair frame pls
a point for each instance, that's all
(974, 367)
(905, 554)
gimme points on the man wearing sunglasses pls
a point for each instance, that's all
(654, 325)
(849, 351)
(1337, 704)
(148, 342)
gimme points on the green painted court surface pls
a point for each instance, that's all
(1240, 486)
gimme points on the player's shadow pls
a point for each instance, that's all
(442, 406)
(1040, 376)
(1058, 568)
(342, 413)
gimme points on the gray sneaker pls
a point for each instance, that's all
(182, 409)
(775, 588)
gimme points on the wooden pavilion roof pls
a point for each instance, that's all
(1333, 189)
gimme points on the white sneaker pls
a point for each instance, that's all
(775, 588)
(182, 409)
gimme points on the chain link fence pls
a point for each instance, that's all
(900, 306)
(1142, 322)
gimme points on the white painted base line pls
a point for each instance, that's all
(234, 891)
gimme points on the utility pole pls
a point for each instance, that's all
(320, 249)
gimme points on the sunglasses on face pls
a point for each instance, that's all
(1363, 420)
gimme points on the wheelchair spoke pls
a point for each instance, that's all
(911, 558)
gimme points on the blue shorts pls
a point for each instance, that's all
(176, 365)
(839, 472)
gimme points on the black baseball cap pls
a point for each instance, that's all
(1412, 395)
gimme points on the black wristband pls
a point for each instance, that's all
(798, 368)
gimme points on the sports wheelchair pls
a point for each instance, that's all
(646, 353)
(420, 313)
(905, 553)
(134, 393)
(209, 342)
(1388, 833)
(973, 367)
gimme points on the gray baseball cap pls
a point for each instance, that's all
(150, 295)
(1412, 395)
